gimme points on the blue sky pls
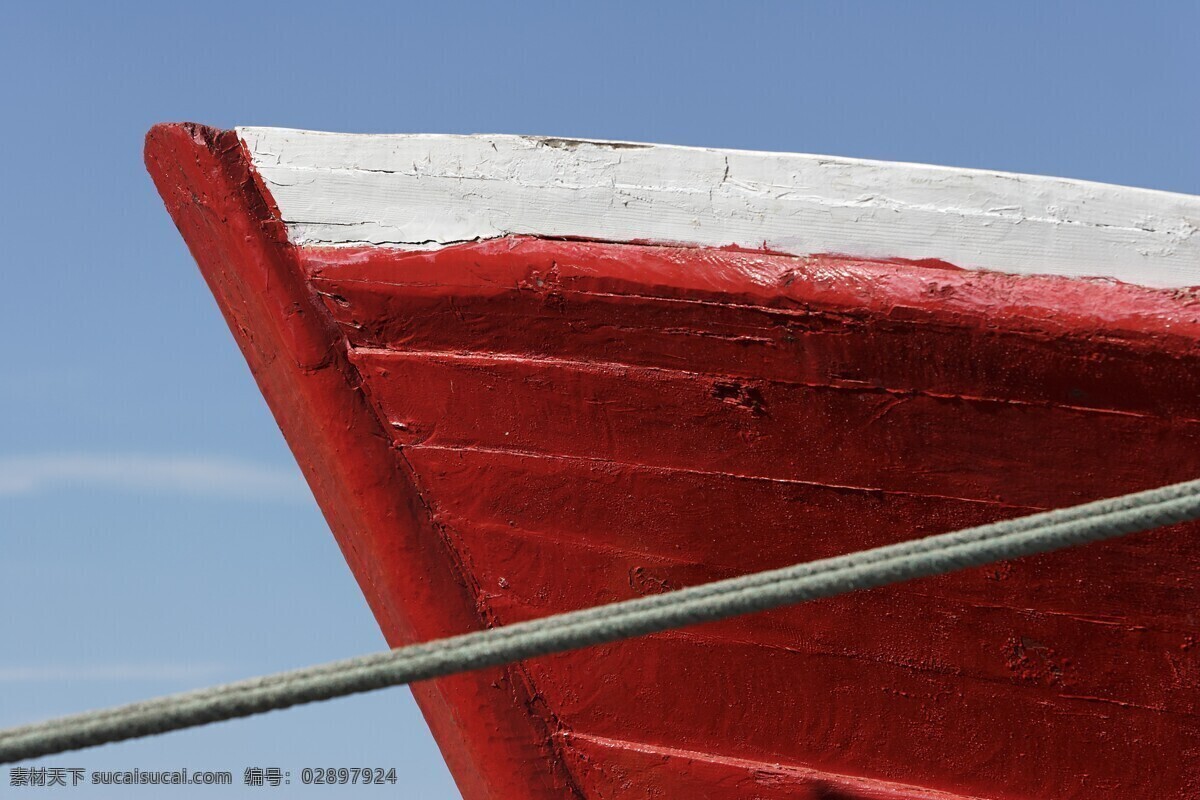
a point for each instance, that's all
(155, 534)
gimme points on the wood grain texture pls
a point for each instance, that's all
(508, 428)
(593, 422)
(427, 190)
(636, 771)
(495, 740)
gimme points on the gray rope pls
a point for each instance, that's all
(933, 555)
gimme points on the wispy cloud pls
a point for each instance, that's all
(149, 473)
(111, 672)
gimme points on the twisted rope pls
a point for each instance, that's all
(933, 555)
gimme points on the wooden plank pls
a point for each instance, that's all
(991, 452)
(832, 321)
(639, 771)
(433, 190)
(676, 528)
(945, 626)
(921, 728)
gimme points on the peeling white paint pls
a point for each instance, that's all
(433, 190)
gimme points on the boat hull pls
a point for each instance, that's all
(505, 429)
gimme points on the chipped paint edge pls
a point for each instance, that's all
(428, 191)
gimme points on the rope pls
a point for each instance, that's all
(933, 555)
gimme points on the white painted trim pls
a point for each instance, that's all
(431, 190)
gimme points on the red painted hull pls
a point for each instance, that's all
(506, 429)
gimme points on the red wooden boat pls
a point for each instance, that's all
(528, 375)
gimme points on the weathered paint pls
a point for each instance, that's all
(618, 770)
(492, 733)
(422, 190)
(510, 428)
